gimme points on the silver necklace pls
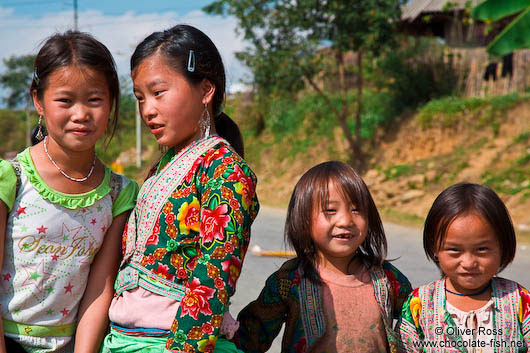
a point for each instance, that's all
(79, 180)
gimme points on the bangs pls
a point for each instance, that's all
(349, 188)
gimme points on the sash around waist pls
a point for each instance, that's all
(19, 328)
(134, 275)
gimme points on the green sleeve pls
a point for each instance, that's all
(408, 328)
(228, 207)
(8, 184)
(126, 199)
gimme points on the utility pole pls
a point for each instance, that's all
(75, 15)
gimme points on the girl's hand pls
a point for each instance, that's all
(93, 310)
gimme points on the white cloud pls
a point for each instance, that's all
(20, 35)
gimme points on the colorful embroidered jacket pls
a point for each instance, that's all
(188, 235)
(425, 320)
(292, 299)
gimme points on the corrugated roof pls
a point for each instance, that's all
(414, 8)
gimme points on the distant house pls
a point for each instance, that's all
(466, 40)
(447, 19)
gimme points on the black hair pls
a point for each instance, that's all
(80, 49)
(312, 191)
(459, 200)
(175, 45)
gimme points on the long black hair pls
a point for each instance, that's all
(175, 45)
(312, 191)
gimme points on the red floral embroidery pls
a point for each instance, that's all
(162, 271)
(217, 320)
(244, 185)
(217, 154)
(394, 283)
(207, 328)
(151, 259)
(234, 204)
(193, 169)
(124, 239)
(233, 267)
(170, 218)
(229, 247)
(153, 238)
(181, 273)
(195, 300)
(213, 223)
(228, 160)
(219, 283)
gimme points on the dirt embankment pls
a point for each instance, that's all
(410, 164)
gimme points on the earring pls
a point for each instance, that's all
(204, 122)
(39, 134)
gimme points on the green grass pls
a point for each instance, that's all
(398, 170)
(449, 111)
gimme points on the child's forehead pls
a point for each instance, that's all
(332, 191)
(75, 74)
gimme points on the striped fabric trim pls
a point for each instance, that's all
(311, 308)
(19, 328)
(140, 332)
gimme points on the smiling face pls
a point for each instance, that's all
(76, 107)
(170, 106)
(470, 254)
(337, 230)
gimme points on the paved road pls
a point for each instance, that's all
(404, 245)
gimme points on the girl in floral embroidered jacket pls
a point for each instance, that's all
(186, 239)
(470, 237)
(62, 212)
(339, 294)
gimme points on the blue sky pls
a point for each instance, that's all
(119, 24)
(109, 7)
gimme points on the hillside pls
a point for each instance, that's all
(416, 157)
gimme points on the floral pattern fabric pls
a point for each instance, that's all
(424, 315)
(199, 241)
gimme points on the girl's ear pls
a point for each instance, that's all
(208, 91)
(37, 103)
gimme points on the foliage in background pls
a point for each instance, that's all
(516, 35)
(17, 79)
(13, 133)
(286, 38)
(449, 111)
(414, 73)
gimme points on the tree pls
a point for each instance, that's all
(516, 35)
(286, 37)
(17, 79)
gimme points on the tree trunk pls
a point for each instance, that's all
(358, 138)
(356, 154)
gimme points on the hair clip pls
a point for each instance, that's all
(191, 61)
(36, 77)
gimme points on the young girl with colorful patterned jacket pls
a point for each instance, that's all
(338, 294)
(186, 239)
(470, 237)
